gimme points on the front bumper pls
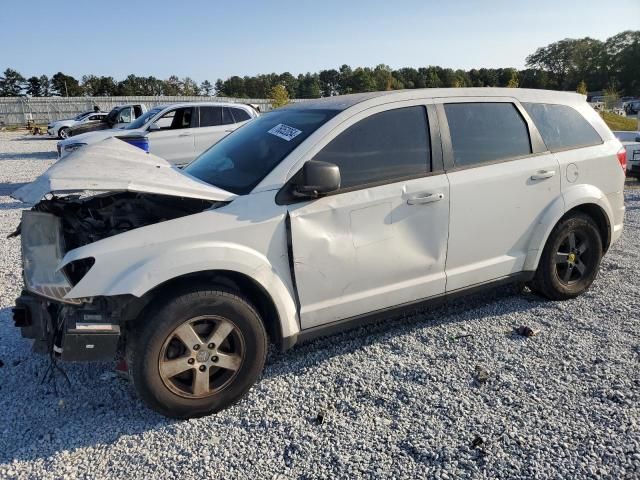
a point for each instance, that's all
(74, 333)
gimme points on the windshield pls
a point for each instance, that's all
(82, 115)
(144, 119)
(238, 162)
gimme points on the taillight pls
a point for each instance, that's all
(622, 158)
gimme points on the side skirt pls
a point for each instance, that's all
(372, 317)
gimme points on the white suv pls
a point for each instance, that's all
(308, 220)
(178, 132)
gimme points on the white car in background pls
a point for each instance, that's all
(178, 132)
(631, 143)
(60, 128)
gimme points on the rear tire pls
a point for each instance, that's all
(570, 259)
(63, 133)
(197, 353)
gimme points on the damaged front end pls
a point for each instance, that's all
(82, 329)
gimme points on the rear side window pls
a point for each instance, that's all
(486, 132)
(240, 115)
(383, 147)
(210, 116)
(561, 126)
(227, 119)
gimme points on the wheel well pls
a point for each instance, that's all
(243, 284)
(600, 217)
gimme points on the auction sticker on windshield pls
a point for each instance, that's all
(285, 132)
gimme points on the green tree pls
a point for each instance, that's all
(189, 87)
(234, 87)
(65, 85)
(308, 86)
(94, 86)
(206, 88)
(513, 79)
(172, 86)
(623, 60)
(383, 78)
(34, 86)
(582, 88)
(11, 83)
(279, 96)
(611, 98)
(329, 82)
(45, 86)
(219, 87)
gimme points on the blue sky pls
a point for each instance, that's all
(212, 39)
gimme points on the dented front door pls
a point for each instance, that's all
(365, 250)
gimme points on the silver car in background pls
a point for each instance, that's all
(631, 142)
(60, 128)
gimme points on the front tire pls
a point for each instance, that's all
(570, 259)
(63, 133)
(197, 353)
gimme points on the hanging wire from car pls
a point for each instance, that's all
(53, 369)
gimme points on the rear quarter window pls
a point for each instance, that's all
(562, 127)
(486, 132)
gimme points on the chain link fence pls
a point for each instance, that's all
(42, 110)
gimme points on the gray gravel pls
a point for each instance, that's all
(446, 393)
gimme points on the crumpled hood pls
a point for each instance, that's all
(113, 165)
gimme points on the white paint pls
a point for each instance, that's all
(113, 165)
(353, 252)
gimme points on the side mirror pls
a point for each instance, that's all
(637, 139)
(317, 178)
(154, 127)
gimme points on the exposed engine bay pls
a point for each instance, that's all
(89, 219)
(81, 329)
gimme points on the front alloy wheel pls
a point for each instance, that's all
(197, 352)
(201, 357)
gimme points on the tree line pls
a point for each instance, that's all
(583, 64)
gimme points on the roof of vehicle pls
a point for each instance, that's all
(342, 102)
(202, 104)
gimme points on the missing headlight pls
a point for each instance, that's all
(76, 270)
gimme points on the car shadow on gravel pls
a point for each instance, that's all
(41, 423)
(461, 311)
(8, 188)
(31, 138)
(48, 155)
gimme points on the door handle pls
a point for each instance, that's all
(229, 131)
(422, 198)
(185, 134)
(543, 174)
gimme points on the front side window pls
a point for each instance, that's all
(144, 119)
(175, 119)
(486, 132)
(383, 147)
(239, 161)
(561, 126)
(125, 115)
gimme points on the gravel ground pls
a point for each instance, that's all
(446, 393)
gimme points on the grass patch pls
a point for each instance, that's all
(616, 122)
